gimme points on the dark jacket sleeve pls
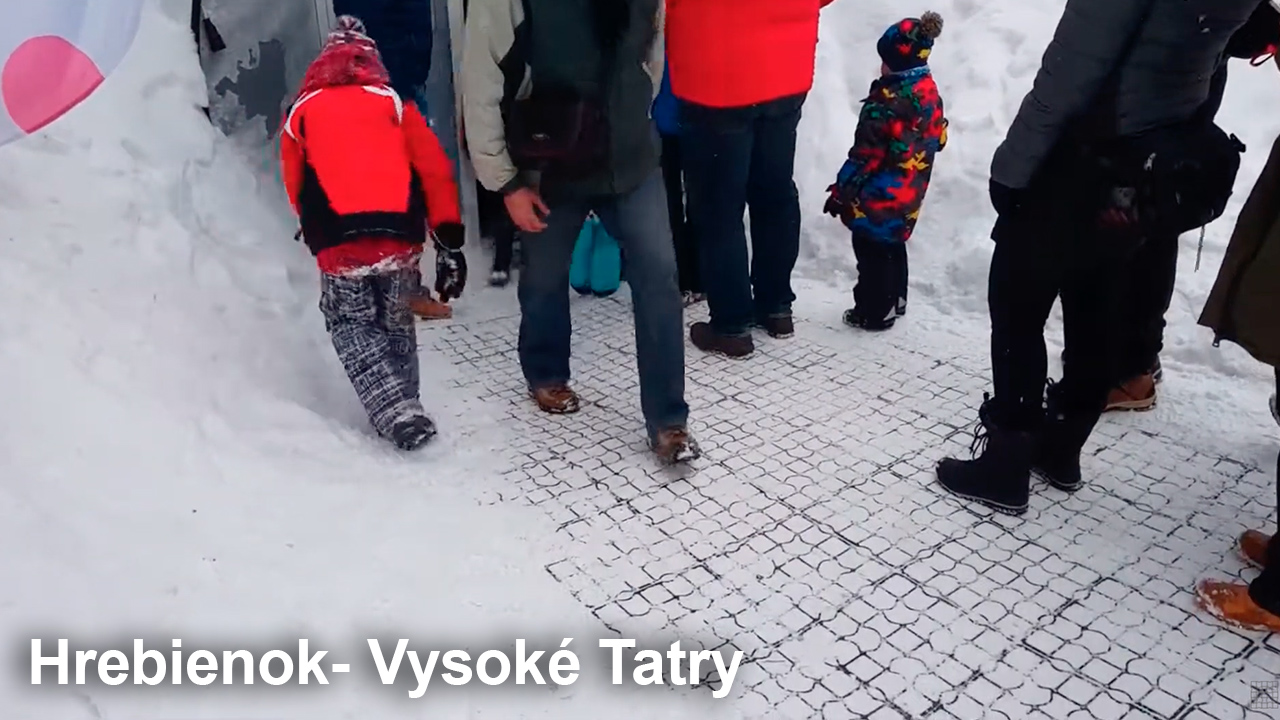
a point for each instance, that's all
(1217, 90)
(1087, 47)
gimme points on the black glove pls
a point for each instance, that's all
(836, 205)
(1006, 200)
(451, 263)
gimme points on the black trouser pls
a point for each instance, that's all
(496, 224)
(882, 277)
(1147, 295)
(681, 230)
(1052, 249)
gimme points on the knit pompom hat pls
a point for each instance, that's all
(907, 44)
(349, 57)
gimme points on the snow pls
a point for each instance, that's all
(985, 62)
(182, 456)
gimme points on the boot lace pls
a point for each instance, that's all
(981, 429)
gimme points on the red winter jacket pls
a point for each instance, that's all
(732, 53)
(366, 176)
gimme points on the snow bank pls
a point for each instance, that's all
(182, 457)
(985, 62)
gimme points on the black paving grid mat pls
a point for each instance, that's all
(813, 538)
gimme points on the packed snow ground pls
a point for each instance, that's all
(183, 457)
(984, 63)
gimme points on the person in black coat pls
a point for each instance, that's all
(403, 31)
(1116, 71)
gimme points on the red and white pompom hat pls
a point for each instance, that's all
(54, 53)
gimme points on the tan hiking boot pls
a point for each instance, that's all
(676, 445)
(1230, 603)
(556, 399)
(1138, 394)
(428, 308)
(1253, 547)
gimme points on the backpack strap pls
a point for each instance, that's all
(388, 92)
(288, 123)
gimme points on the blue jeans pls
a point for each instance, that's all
(737, 159)
(638, 220)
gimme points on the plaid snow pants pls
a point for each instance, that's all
(373, 331)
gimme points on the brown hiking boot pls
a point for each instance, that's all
(1253, 547)
(1230, 603)
(676, 445)
(556, 399)
(1138, 393)
(709, 341)
(778, 326)
(428, 308)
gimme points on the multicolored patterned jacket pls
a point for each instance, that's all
(880, 188)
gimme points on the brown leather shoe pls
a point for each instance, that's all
(1253, 547)
(1230, 603)
(708, 340)
(778, 326)
(676, 445)
(428, 308)
(1138, 394)
(556, 399)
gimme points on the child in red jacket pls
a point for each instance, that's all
(367, 177)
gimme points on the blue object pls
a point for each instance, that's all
(596, 268)
(666, 109)
(403, 31)
(580, 266)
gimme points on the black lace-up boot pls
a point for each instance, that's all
(999, 475)
(1063, 435)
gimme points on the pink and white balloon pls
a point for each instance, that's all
(55, 53)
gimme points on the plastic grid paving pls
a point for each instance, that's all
(812, 535)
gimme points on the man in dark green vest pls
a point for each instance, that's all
(556, 107)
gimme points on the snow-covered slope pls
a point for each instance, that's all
(182, 457)
(985, 62)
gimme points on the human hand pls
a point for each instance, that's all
(527, 210)
(835, 205)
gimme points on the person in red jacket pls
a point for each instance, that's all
(742, 70)
(367, 177)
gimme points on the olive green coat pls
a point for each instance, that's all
(1244, 306)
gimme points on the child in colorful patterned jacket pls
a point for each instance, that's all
(879, 190)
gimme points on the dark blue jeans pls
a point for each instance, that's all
(738, 159)
(638, 220)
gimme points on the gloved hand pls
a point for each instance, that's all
(836, 205)
(451, 263)
(1006, 200)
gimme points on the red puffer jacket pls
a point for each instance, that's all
(731, 53)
